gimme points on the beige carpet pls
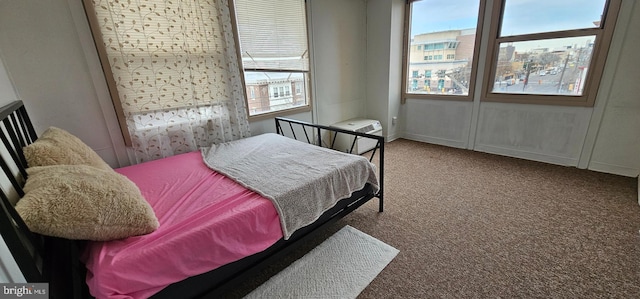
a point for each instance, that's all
(475, 225)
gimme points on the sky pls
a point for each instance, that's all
(521, 16)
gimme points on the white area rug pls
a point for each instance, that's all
(341, 267)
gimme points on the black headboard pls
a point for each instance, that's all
(40, 258)
(17, 131)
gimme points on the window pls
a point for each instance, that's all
(274, 50)
(164, 83)
(548, 52)
(444, 29)
(540, 52)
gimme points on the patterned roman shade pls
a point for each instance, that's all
(175, 72)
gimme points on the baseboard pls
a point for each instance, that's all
(613, 169)
(392, 137)
(435, 140)
(540, 157)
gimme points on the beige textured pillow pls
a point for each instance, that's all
(59, 147)
(84, 203)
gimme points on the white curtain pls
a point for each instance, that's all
(176, 70)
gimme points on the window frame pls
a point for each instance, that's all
(603, 35)
(307, 74)
(474, 64)
(494, 10)
(103, 56)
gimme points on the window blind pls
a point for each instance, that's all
(273, 34)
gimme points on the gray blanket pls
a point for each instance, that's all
(301, 179)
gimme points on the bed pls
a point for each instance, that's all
(257, 223)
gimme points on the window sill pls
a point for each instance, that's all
(285, 112)
(439, 97)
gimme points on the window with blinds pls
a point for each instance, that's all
(275, 54)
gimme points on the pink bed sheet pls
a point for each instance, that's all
(206, 220)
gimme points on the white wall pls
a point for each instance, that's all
(603, 138)
(384, 63)
(338, 38)
(439, 122)
(378, 55)
(617, 144)
(7, 92)
(45, 56)
(536, 132)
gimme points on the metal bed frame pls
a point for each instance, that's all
(56, 260)
(333, 134)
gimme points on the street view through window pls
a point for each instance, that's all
(542, 49)
(552, 66)
(442, 44)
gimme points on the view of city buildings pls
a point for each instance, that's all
(273, 91)
(440, 63)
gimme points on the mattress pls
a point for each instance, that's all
(206, 220)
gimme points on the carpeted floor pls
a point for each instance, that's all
(475, 225)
